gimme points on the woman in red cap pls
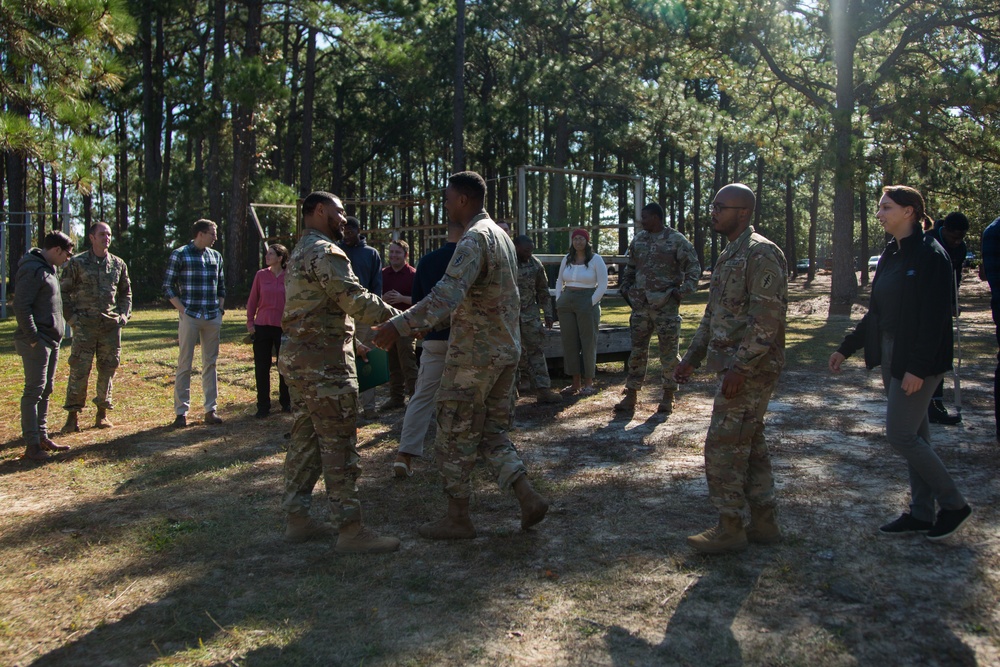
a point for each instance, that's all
(582, 281)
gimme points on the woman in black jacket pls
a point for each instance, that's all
(908, 331)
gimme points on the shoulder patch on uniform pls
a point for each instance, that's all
(767, 279)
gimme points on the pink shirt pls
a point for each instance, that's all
(267, 299)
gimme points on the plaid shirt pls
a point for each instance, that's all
(195, 277)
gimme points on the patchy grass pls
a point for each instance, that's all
(145, 545)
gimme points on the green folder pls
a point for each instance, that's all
(373, 372)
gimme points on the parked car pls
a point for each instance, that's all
(970, 260)
(872, 262)
(802, 265)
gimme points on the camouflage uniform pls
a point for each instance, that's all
(475, 399)
(743, 329)
(97, 302)
(322, 299)
(533, 286)
(662, 269)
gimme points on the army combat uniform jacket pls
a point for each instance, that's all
(743, 328)
(479, 292)
(533, 286)
(322, 299)
(95, 289)
(661, 267)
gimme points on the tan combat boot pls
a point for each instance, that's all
(302, 527)
(627, 404)
(763, 528)
(546, 395)
(102, 420)
(356, 539)
(726, 537)
(533, 506)
(456, 525)
(71, 425)
(666, 405)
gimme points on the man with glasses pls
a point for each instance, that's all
(662, 270)
(743, 335)
(39, 311)
(97, 302)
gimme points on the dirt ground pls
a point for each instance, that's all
(149, 546)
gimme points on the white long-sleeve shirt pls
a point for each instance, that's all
(593, 275)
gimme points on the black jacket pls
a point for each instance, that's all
(924, 343)
(38, 301)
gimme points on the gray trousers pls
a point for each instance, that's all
(39, 371)
(908, 431)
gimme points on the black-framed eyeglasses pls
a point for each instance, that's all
(715, 208)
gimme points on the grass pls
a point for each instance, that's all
(145, 545)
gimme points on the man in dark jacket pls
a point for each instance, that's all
(40, 325)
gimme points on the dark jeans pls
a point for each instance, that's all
(266, 345)
(39, 370)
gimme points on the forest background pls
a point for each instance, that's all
(150, 115)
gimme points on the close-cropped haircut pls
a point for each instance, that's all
(352, 221)
(57, 240)
(315, 198)
(654, 208)
(94, 227)
(470, 184)
(905, 196)
(202, 226)
(956, 221)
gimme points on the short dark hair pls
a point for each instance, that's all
(956, 221)
(57, 240)
(318, 197)
(93, 227)
(524, 239)
(470, 184)
(282, 252)
(353, 222)
(202, 226)
(402, 244)
(654, 208)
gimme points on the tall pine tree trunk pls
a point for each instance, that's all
(458, 122)
(216, 111)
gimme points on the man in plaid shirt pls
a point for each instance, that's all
(195, 285)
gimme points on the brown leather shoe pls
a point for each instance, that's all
(212, 418)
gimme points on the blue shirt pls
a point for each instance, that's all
(991, 257)
(430, 270)
(195, 277)
(366, 264)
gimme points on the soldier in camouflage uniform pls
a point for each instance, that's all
(322, 300)
(662, 269)
(97, 303)
(474, 401)
(533, 286)
(743, 335)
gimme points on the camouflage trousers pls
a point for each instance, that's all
(737, 463)
(532, 363)
(324, 441)
(667, 325)
(103, 338)
(474, 407)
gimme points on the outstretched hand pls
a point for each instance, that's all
(385, 335)
(682, 372)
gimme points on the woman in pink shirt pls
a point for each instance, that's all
(264, 309)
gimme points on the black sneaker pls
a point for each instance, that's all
(180, 422)
(948, 521)
(905, 525)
